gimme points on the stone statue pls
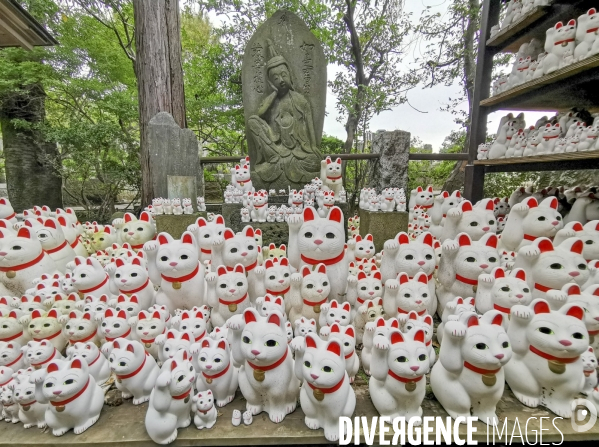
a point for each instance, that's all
(284, 117)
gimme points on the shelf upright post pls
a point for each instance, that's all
(474, 175)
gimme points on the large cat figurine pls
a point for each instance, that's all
(97, 363)
(49, 233)
(326, 393)
(11, 355)
(405, 295)
(500, 290)
(207, 234)
(45, 326)
(215, 369)
(530, 220)
(548, 267)
(402, 254)
(468, 379)
(130, 277)
(227, 293)
(463, 260)
(22, 259)
(241, 248)
(115, 325)
(181, 275)
(589, 365)
(314, 240)
(266, 378)
(476, 221)
(74, 397)
(546, 368)
(136, 371)
(81, 328)
(588, 299)
(170, 401)
(399, 363)
(310, 290)
(589, 233)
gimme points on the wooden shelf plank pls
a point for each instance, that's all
(505, 35)
(577, 68)
(588, 155)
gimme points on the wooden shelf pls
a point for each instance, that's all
(505, 39)
(547, 162)
(562, 90)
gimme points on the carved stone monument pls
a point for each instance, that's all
(284, 94)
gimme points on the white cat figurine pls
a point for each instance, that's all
(97, 363)
(227, 293)
(330, 172)
(204, 410)
(215, 369)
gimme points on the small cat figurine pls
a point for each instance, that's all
(399, 363)
(500, 290)
(325, 203)
(177, 208)
(81, 328)
(187, 206)
(115, 325)
(193, 322)
(31, 411)
(266, 377)
(547, 347)
(304, 326)
(129, 304)
(379, 326)
(11, 355)
(364, 287)
(463, 260)
(258, 206)
(137, 232)
(271, 214)
(405, 295)
(310, 290)
(227, 293)
(277, 279)
(589, 365)
(240, 177)
(204, 410)
(530, 220)
(313, 241)
(130, 277)
(146, 327)
(177, 266)
(476, 221)
(469, 374)
(39, 353)
(453, 309)
(589, 233)
(267, 304)
(9, 407)
(136, 371)
(215, 369)
(89, 278)
(424, 323)
(548, 267)
(96, 362)
(74, 397)
(335, 312)
(201, 203)
(330, 173)
(367, 312)
(171, 342)
(347, 337)
(170, 401)
(326, 393)
(206, 233)
(364, 248)
(6, 211)
(11, 329)
(46, 326)
(50, 234)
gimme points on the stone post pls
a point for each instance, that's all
(173, 152)
(391, 170)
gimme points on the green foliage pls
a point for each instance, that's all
(331, 145)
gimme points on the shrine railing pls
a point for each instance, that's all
(432, 157)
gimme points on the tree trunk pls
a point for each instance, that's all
(159, 73)
(31, 176)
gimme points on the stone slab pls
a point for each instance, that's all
(382, 226)
(176, 225)
(391, 169)
(182, 187)
(216, 208)
(124, 426)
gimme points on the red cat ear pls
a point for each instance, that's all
(187, 238)
(377, 275)
(145, 216)
(497, 320)
(361, 275)
(53, 367)
(76, 363)
(173, 365)
(162, 239)
(334, 346)
(370, 304)
(572, 22)
(464, 239)
(577, 226)
(577, 247)
(122, 314)
(358, 238)
(24, 232)
(428, 320)
(419, 189)
(369, 237)
(221, 270)
(576, 312)
(419, 336)
(249, 232)
(544, 245)
(573, 289)
(284, 262)
(321, 268)
(347, 307)
(421, 277)
(350, 331)
(498, 272)
(466, 205)
(336, 214)
(268, 264)
(170, 335)
(310, 341)
(541, 307)
(119, 262)
(50, 223)
(403, 278)
(279, 301)
(403, 238)
(490, 206)
(520, 274)
(380, 322)
(131, 348)
(428, 239)
(53, 313)
(335, 328)
(492, 241)
(185, 336)
(473, 321)
(412, 315)
(305, 271)
(396, 337)
(222, 344)
(553, 203)
(137, 260)
(309, 214)
(395, 323)
(531, 202)
(128, 217)
(228, 234)
(274, 319)
(206, 343)
(87, 316)
(334, 304)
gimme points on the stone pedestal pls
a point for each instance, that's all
(391, 170)
(382, 226)
(176, 225)
(173, 152)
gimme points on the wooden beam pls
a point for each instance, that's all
(15, 34)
